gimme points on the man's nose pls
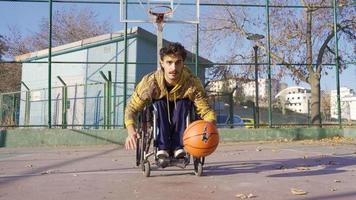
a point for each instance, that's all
(174, 65)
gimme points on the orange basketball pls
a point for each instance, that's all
(200, 138)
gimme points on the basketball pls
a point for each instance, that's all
(200, 138)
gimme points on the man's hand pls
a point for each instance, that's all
(130, 142)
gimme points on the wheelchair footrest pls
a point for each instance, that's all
(181, 163)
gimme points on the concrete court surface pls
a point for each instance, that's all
(252, 170)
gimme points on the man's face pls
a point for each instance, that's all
(173, 67)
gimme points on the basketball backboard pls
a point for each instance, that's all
(178, 11)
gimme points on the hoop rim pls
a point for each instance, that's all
(170, 10)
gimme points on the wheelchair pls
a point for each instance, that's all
(146, 145)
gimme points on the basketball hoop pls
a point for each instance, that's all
(159, 12)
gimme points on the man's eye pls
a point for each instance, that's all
(169, 62)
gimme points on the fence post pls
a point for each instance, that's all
(269, 67)
(27, 104)
(1, 109)
(231, 107)
(64, 103)
(337, 64)
(107, 99)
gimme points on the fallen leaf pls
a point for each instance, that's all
(333, 189)
(337, 181)
(29, 166)
(296, 191)
(250, 196)
(244, 196)
(303, 168)
(241, 196)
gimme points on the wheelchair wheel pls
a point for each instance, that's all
(139, 156)
(198, 166)
(146, 169)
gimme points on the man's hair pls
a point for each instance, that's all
(173, 48)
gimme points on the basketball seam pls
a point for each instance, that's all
(185, 138)
(202, 148)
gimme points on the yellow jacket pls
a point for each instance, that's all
(152, 87)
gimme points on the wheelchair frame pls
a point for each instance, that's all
(147, 130)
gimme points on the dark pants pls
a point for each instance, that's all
(170, 132)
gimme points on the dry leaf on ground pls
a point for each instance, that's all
(303, 168)
(298, 191)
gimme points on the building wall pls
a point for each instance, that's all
(34, 75)
(295, 99)
(345, 93)
(263, 84)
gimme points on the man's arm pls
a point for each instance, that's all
(136, 104)
(201, 102)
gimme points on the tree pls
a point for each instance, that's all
(9, 73)
(69, 25)
(302, 40)
(3, 47)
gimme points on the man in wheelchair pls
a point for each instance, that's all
(171, 90)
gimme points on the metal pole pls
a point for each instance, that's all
(115, 87)
(257, 120)
(64, 102)
(106, 97)
(308, 112)
(337, 64)
(27, 104)
(13, 114)
(269, 67)
(1, 108)
(197, 51)
(231, 110)
(159, 43)
(109, 100)
(64, 106)
(50, 66)
(86, 89)
(105, 104)
(125, 65)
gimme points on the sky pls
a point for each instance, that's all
(26, 17)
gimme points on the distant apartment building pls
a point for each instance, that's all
(347, 103)
(294, 98)
(248, 89)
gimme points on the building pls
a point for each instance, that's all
(294, 98)
(79, 65)
(248, 89)
(347, 103)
